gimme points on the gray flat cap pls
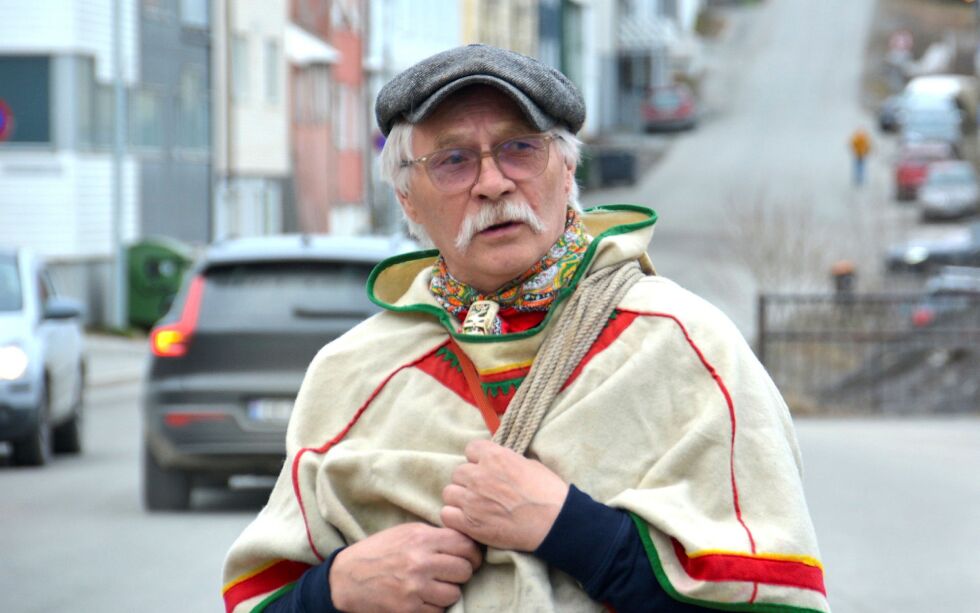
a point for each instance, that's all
(546, 96)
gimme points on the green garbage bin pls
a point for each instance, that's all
(156, 267)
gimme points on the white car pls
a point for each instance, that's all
(950, 190)
(42, 367)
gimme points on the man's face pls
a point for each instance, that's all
(479, 118)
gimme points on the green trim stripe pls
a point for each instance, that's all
(563, 293)
(755, 607)
(273, 597)
(448, 355)
(504, 387)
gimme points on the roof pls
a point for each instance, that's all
(303, 49)
(307, 247)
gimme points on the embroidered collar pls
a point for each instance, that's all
(535, 290)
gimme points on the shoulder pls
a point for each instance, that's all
(663, 299)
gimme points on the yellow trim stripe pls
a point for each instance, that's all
(493, 371)
(248, 575)
(781, 557)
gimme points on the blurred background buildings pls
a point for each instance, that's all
(252, 117)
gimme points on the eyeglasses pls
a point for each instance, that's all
(457, 170)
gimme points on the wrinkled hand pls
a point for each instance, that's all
(410, 567)
(502, 499)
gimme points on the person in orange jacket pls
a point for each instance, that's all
(860, 147)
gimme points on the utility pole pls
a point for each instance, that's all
(117, 317)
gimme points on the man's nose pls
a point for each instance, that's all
(491, 184)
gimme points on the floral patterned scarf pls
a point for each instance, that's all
(535, 290)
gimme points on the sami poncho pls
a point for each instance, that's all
(669, 416)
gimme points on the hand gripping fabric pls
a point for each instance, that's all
(584, 318)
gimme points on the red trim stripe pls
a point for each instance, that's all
(609, 334)
(731, 415)
(734, 567)
(279, 574)
(326, 446)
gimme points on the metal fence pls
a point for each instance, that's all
(886, 353)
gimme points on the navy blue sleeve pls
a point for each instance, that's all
(311, 593)
(600, 548)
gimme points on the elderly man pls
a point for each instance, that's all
(536, 422)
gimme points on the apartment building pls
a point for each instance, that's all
(56, 162)
(250, 117)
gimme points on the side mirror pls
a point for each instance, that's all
(62, 308)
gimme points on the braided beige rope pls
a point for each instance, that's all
(584, 318)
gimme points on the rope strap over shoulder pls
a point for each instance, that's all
(583, 319)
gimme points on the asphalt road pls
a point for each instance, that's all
(894, 503)
(74, 537)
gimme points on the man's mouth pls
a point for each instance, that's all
(500, 226)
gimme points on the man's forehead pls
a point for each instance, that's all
(455, 119)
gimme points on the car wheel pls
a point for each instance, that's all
(164, 489)
(68, 436)
(35, 450)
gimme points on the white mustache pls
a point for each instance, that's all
(494, 214)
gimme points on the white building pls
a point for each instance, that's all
(56, 161)
(251, 125)
(402, 33)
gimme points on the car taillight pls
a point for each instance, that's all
(172, 340)
(922, 317)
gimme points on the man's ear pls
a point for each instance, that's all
(407, 205)
(569, 177)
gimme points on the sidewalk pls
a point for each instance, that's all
(114, 360)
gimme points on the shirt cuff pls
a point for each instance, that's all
(584, 538)
(313, 588)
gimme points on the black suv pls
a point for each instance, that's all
(228, 358)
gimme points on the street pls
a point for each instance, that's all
(760, 195)
(82, 541)
(893, 503)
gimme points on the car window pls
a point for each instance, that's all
(666, 99)
(287, 296)
(951, 176)
(11, 294)
(47, 286)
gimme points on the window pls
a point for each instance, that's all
(158, 10)
(25, 90)
(272, 72)
(96, 107)
(192, 108)
(10, 290)
(239, 68)
(146, 125)
(349, 123)
(194, 13)
(311, 95)
(284, 296)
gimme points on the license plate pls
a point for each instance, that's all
(270, 410)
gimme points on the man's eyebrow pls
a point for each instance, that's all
(453, 139)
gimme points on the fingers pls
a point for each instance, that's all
(467, 474)
(455, 543)
(453, 517)
(454, 495)
(476, 449)
(440, 593)
(451, 569)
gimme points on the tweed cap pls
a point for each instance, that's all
(546, 96)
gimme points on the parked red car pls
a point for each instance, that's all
(910, 170)
(670, 107)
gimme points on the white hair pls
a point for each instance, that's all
(398, 148)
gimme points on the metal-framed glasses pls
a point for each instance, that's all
(457, 170)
